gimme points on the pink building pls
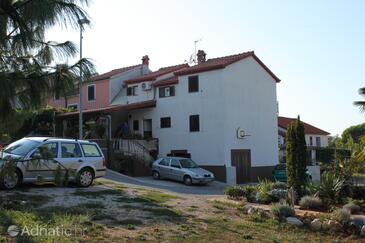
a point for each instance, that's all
(102, 89)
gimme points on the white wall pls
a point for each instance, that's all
(205, 146)
(324, 139)
(250, 103)
(142, 95)
(116, 82)
(241, 95)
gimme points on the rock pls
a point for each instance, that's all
(251, 210)
(316, 225)
(359, 221)
(326, 225)
(307, 222)
(294, 221)
(334, 226)
(362, 231)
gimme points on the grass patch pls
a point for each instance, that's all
(129, 222)
(96, 194)
(158, 197)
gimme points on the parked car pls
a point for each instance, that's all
(40, 157)
(279, 173)
(181, 169)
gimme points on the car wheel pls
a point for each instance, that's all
(188, 181)
(85, 177)
(156, 175)
(11, 181)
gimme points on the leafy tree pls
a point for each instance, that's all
(361, 104)
(32, 68)
(354, 133)
(296, 159)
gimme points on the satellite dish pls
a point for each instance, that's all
(241, 133)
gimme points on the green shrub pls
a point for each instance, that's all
(352, 208)
(311, 188)
(277, 194)
(264, 188)
(250, 192)
(330, 188)
(341, 215)
(310, 202)
(281, 211)
(279, 185)
(234, 192)
(240, 192)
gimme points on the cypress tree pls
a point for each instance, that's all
(296, 156)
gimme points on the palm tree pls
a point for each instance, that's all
(361, 104)
(31, 68)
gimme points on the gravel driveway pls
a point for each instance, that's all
(212, 189)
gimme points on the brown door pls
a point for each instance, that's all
(241, 159)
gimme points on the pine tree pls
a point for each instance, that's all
(296, 156)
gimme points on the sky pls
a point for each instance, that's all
(316, 48)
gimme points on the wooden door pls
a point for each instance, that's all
(241, 159)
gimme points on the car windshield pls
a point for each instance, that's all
(21, 147)
(188, 163)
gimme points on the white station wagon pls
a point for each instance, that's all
(83, 158)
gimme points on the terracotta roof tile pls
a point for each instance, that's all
(284, 122)
(114, 108)
(153, 75)
(167, 81)
(113, 72)
(222, 62)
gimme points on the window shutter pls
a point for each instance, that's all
(172, 91)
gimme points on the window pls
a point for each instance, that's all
(132, 91)
(48, 150)
(193, 84)
(175, 163)
(136, 125)
(310, 141)
(194, 123)
(318, 141)
(166, 91)
(90, 150)
(73, 107)
(70, 150)
(164, 162)
(91, 92)
(21, 147)
(165, 122)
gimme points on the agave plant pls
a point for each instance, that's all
(330, 187)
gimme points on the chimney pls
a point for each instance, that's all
(201, 56)
(145, 60)
(145, 63)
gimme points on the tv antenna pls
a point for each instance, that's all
(193, 57)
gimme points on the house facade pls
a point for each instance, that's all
(221, 112)
(102, 89)
(315, 138)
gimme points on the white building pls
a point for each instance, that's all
(315, 138)
(221, 112)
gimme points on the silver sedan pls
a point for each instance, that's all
(181, 169)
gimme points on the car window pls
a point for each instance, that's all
(21, 147)
(175, 163)
(48, 150)
(164, 162)
(70, 150)
(90, 150)
(188, 163)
